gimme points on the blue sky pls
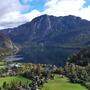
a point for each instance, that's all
(33, 4)
(87, 3)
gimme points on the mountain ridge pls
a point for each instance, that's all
(47, 32)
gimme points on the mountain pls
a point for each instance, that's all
(7, 47)
(50, 39)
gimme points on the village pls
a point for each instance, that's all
(37, 74)
(28, 76)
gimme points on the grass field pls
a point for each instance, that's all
(2, 65)
(16, 79)
(62, 84)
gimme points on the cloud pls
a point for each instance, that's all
(8, 6)
(14, 19)
(32, 15)
(85, 13)
(10, 15)
(8, 9)
(67, 7)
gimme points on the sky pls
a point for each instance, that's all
(16, 12)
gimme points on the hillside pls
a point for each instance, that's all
(81, 58)
(49, 39)
(7, 47)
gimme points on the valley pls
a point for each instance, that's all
(48, 53)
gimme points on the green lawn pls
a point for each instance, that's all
(62, 84)
(2, 67)
(2, 63)
(16, 79)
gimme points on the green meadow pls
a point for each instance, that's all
(62, 84)
(16, 79)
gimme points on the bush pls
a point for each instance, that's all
(87, 85)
